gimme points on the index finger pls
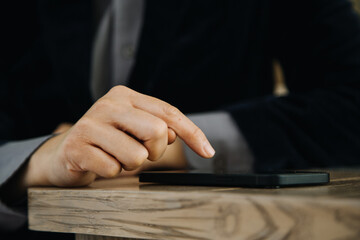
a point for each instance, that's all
(176, 120)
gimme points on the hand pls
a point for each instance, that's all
(174, 158)
(121, 130)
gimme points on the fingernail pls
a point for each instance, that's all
(209, 149)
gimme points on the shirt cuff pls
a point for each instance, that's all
(232, 151)
(12, 156)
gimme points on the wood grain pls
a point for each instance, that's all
(125, 208)
(97, 237)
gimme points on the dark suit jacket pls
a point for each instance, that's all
(200, 56)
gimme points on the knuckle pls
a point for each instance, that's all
(155, 156)
(70, 147)
(78, 135)
(83, 125)
(103, 104)
(112, 171)
(197, 132)
(159, 129)
(171, 111)
(138, 158)
(119, 89)
(71, 141)
(72, 150)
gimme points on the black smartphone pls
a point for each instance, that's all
(236, 179)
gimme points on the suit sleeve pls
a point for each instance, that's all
(317, 123)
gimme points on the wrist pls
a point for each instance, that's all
(38, 167)
(18, 180)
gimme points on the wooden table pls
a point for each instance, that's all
(123, 208)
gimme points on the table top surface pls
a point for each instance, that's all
(345, 183)
(124, 207)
